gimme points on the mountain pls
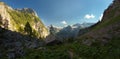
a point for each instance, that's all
(66, 32)
(20, 30)
(54, 28)
(27, 10)
(72, 31)
(83, 25)
(99, 41)
(23, 20)
(107, 29)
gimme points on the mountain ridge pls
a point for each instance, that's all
(16, 20)
(99, 41)
(107, 28)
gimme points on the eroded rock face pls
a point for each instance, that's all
(5, 17)
(16, 19)
(28, 10)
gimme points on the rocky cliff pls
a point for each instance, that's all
(23, 20)
(106, 30)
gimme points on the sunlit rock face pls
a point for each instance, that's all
(16, 19)
(5, 17)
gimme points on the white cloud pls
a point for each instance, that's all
(100, 18)
(89, 16)
(64, 22)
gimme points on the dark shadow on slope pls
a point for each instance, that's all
(13, 44)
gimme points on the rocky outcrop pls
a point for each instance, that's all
(27, 10)
(16, 19)
(103, 36)
(13, 44)
(112, 11)
(4, 15)
(52, 40)
(106, 30)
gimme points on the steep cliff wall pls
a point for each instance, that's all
(22, 20)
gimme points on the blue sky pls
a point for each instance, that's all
(64, 12)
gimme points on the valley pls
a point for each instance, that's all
(24, 36)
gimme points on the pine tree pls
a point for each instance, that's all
(0, 20)
(28, 29)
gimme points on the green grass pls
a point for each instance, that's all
(79, 51)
